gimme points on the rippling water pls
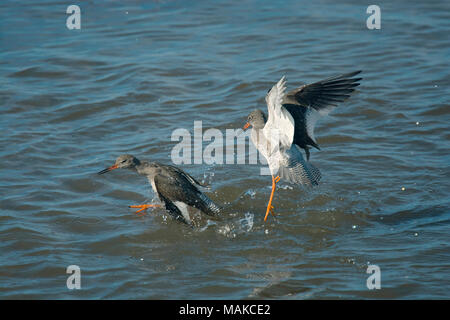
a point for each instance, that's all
(73, 100)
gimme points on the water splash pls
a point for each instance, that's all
(240, 226)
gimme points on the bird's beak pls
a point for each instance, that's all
(108, 169)
(246, 126)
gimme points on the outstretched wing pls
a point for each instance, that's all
(324, 95)
(280, 124)
(320, 98)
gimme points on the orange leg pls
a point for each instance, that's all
(269, 205)
(144, 207)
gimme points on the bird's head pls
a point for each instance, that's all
(256, 119)
(123, 161)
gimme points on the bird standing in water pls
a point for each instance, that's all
(290, 126)
(174, 187)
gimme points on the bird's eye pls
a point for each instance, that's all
(123, 161)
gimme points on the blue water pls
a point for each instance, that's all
(73, 100)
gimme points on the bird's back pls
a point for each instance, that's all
(176, 186)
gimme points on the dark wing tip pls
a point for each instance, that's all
(352, 74)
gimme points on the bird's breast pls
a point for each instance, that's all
(153, 184)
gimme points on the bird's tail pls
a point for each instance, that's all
(293, 168)
(208, 206)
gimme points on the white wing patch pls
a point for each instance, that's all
(312, 115)
(280, 125)
(325, 111)
(311, 119)
(274, 98)
(183, 207)
(287, 126)
(153, 184)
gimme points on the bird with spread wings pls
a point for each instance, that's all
(290, 124)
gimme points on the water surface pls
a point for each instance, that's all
(73, 100)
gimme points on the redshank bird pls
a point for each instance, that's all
(290, 126)
(174, 187)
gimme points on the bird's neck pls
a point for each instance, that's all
(146, 168)
(260, 125)
(140, 167)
